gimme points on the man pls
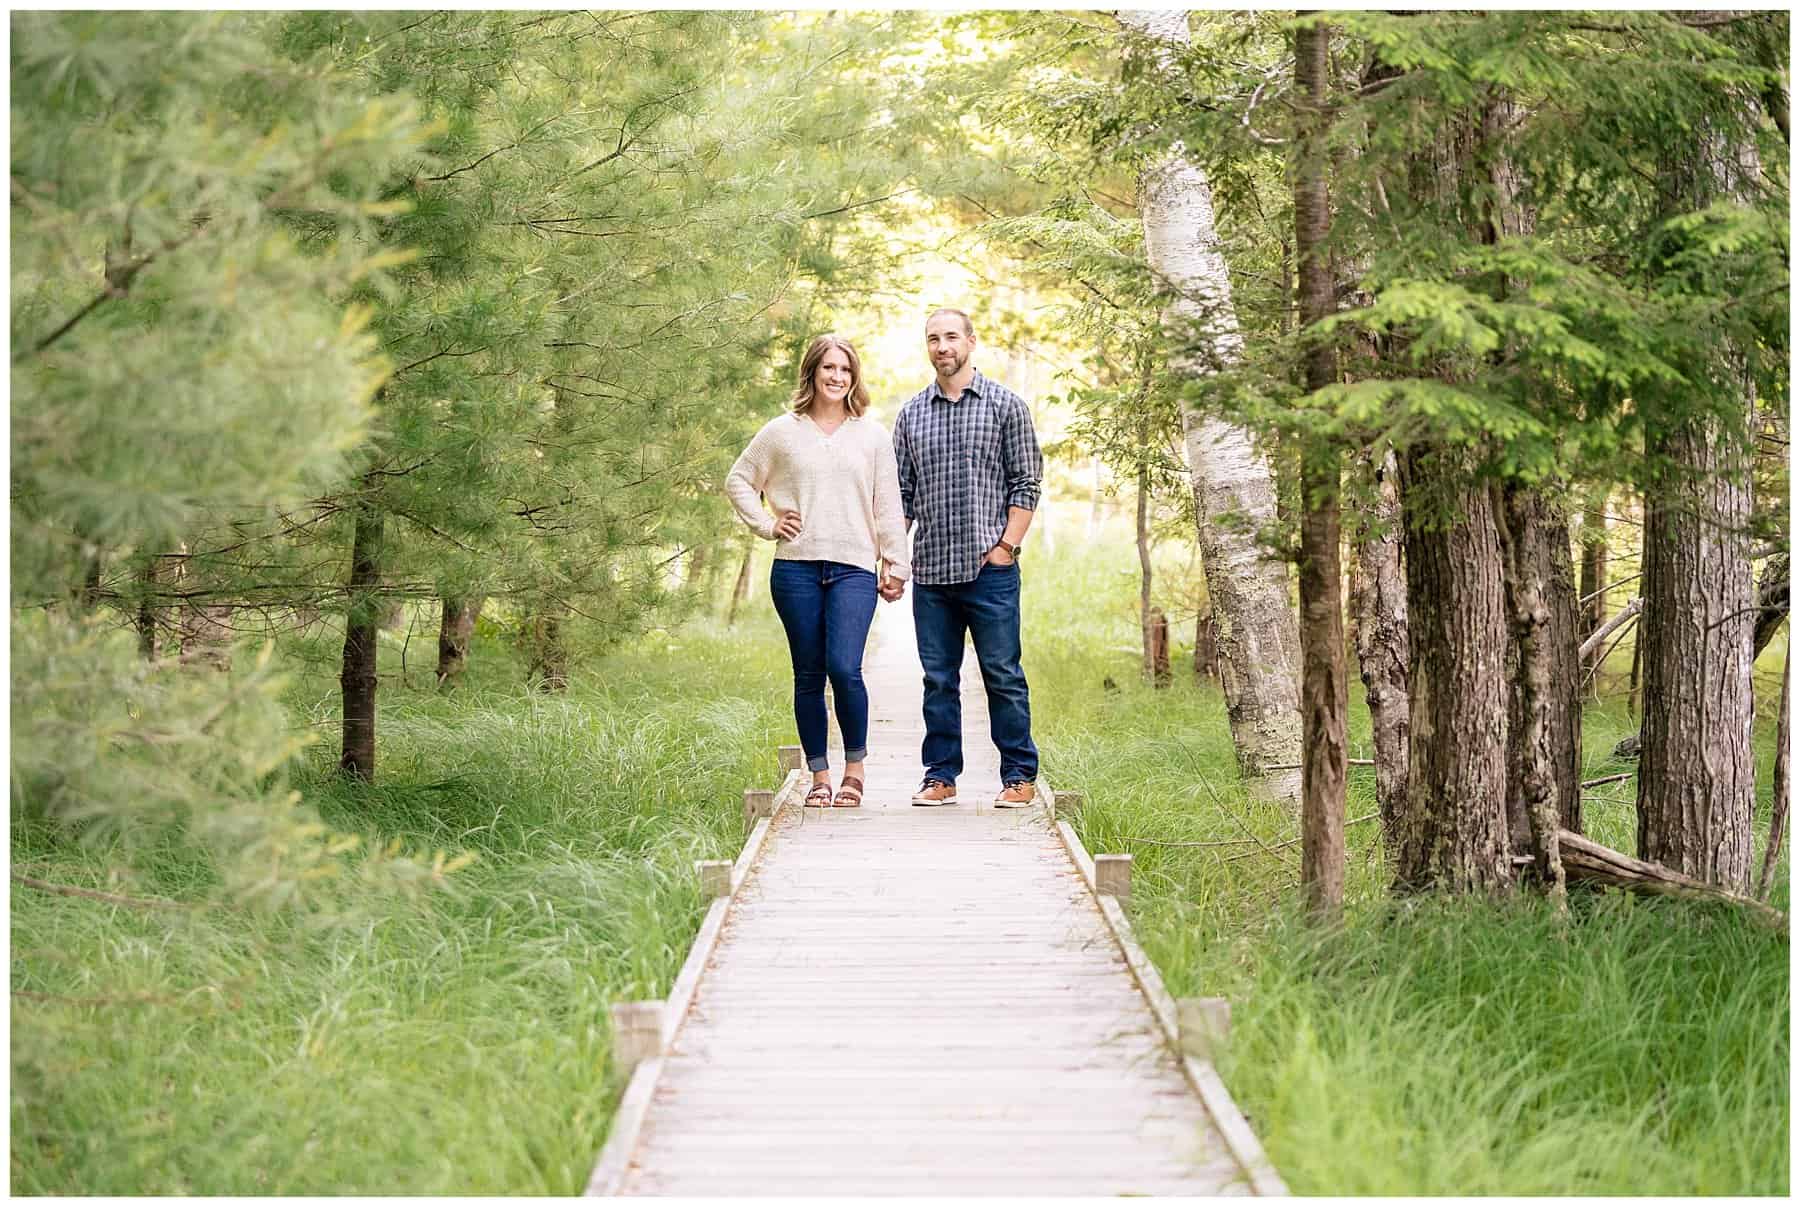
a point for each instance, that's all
(969, 473)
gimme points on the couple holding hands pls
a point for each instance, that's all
(963, 465)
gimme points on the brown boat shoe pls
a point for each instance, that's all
(1016, 796)
(935, 792)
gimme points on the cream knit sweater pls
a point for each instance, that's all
(845, 486)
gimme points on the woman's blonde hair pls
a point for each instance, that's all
(855, 402)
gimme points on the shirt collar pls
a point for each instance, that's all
(977, 386)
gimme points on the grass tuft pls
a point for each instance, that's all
(1425, 1047)
(453, 1042)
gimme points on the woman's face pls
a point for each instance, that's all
(832, 379)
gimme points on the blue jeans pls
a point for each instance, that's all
(826, 608)
(987, 608)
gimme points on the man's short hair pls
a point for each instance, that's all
(968, 323)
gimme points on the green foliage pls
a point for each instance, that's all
(137, 761)
(181, 350)
(448, 1043)
(1437, 1047)
(179, 341)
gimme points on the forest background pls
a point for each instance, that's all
(383, 650)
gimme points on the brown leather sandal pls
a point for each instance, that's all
(849, 794)
(819, 795)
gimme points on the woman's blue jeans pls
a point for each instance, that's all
(826, 608)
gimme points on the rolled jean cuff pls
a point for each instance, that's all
(856, 756)
(818, 762)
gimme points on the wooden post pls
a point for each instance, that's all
(637, 1033)
(789, 758)
(1112, 876)
(758, 802)
(1159, 648)
(1068, 804)
(1204, 1024)
(715, 876)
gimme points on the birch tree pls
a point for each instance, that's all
(1234, 488)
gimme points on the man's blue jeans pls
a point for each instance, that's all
(988, 610)
(826, 608)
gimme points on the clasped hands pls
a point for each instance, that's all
(787, 527)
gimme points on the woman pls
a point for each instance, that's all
(829, 474)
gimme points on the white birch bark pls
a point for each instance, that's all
(1234, 487)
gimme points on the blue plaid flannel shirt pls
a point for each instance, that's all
(962, 463)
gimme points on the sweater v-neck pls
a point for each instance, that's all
(834, 431)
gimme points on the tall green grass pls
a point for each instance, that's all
(455, 1041)
(449, 1042)
(1427, 1046)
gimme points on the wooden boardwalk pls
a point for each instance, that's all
(898, 1001)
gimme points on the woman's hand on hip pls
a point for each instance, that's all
(787, 526)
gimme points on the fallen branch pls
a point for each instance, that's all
(1251, 835)
(1297, 766)
(1600, 634)
(1587, 861)
(1606, 779)
(1614, 585)
(1291, 841)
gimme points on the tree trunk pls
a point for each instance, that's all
(1697, 778)
(1381, 644)
(362, 624)
(549, 668)
(1158, 630)
(1093, 519)
(1144, 571)
(1206, 646)
(1322, 686)
(1535, 791)
(146, 610)
(206, 635)
(1771, 602)
(1593, 577)
(1234, 491)
(1778, 814)
(1543, 606)
(1453, 833)
(1696, 783)
(455, 629)
(1634, 680)
(740, 590)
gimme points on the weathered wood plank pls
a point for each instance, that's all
(921, 1001)
(626, 1130)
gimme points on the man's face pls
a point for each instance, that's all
(948, 345)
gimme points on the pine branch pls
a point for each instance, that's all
(470, 167)
(427, 360)
(844, 209)
(118, 284)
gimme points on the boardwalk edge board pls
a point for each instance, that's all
(1201, 1075)
(627, 1122)
(634, 1105)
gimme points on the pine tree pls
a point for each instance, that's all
(185, 368)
